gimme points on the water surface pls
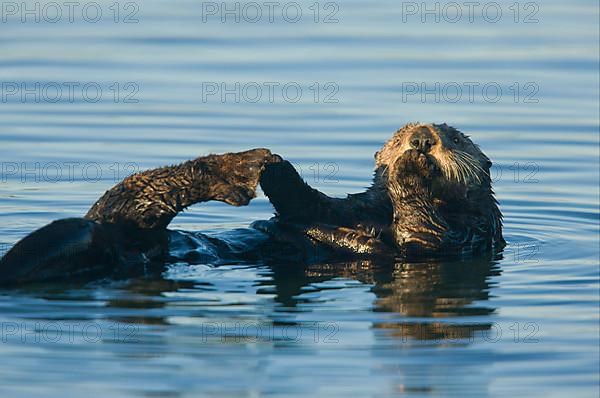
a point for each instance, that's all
(523, 322)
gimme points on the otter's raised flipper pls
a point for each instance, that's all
(151, 199)
(124, 233)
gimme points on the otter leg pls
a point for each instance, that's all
(151, 199)
(124, 232)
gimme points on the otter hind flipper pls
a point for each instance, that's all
(152, 198)
(233, 177)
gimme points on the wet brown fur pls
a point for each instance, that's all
(151, 199)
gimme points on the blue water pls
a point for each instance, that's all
(523, 323)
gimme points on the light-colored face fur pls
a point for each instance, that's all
(460, 161)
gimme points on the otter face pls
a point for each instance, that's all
(439, 153)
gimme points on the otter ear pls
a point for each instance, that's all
(376, 154)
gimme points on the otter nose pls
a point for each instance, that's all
(422, 140)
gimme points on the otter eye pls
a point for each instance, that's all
(456, 140)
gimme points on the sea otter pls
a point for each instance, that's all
(431, 196)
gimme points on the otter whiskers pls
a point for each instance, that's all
(462, 167)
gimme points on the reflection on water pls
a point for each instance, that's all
(216, 312)
(417, 290)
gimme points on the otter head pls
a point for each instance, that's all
(452, 166)
(439, 185)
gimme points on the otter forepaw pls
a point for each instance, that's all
(416, 166)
